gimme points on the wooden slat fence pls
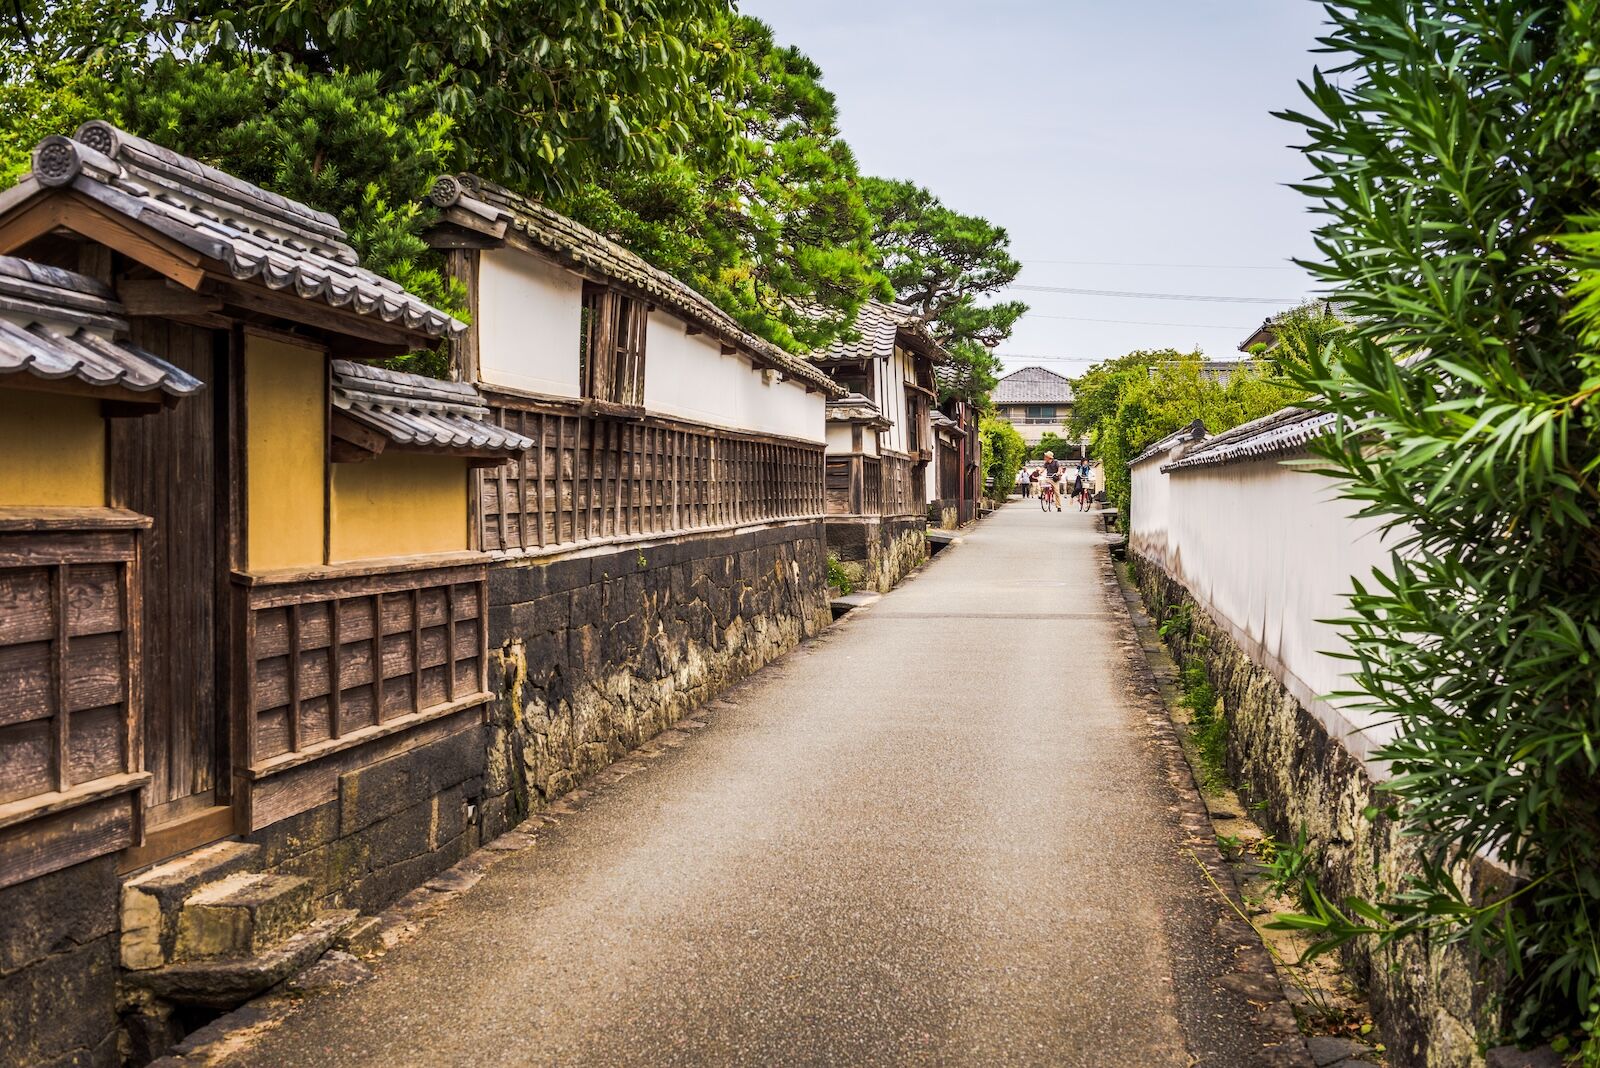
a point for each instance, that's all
(589, 478)
(900, 494)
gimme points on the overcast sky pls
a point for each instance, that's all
(1093, 130)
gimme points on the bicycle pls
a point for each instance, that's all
(1047, 494)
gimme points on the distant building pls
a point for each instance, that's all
(1035, 401)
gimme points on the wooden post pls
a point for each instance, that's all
(335, 683)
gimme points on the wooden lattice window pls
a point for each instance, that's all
(611, 346)
(68, 650)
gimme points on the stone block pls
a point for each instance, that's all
(564, 575)
(59, 1008)
(404, 835)
(511, 584)
(332, 867)
(55, 912)
(298, 834)
(151, 902)
(242, 915)
(370, 794)
(587, 606)
(383, 886)
(500, 626)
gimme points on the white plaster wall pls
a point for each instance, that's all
(892, 373)
(687, 376)
(839, 438)
(1272, 551)
(528, 318)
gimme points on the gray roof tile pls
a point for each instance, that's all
(1032, 385)
(880, 324)
(1285, 431)
(421, 412)
(56, 324)
(251, 232)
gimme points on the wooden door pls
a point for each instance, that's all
(166, 466)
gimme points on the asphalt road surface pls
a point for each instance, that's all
(939, 834)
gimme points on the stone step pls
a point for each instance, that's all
(152, 901)
(226, 982)
(241, 916)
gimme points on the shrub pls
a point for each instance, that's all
(1455, 159)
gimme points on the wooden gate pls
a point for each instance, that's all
(166, 466)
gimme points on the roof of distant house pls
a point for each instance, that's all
(58, 324)
(1032, 385)
(497, 209)
(1267, 334)
(250, 232)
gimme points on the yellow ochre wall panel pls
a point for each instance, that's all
(52, 450)
(286, 411)
(398, 505)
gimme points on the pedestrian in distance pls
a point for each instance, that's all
(1033, 482)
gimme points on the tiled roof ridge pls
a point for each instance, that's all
(148, 159)
(1286, 430)
(879, 324)
(57, 294)
(416, 410)
(1195, 430)
(253, 233)
(566, 236)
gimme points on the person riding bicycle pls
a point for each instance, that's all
(1052, 471)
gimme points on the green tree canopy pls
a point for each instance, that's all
(945, 265)
(545, 96)
(1001, 452)
(775, 231)
(1126, 404)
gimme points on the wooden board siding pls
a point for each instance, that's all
(589, 478)
(900, 487)
(165, 466)
(333, 663)
(70, 731)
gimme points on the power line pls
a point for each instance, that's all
(1156, 296)
(1187, 266)
(1137, 322)
(1048, 359)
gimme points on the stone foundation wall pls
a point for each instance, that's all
(877, 553)
(395, 824)
(1430, 1002)
(592, 655)
(58, 969)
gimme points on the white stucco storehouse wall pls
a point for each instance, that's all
(529, 315)
(893, 374)
(687, 376)
(1271, 551)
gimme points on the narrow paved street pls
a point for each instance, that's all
(941, 834)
